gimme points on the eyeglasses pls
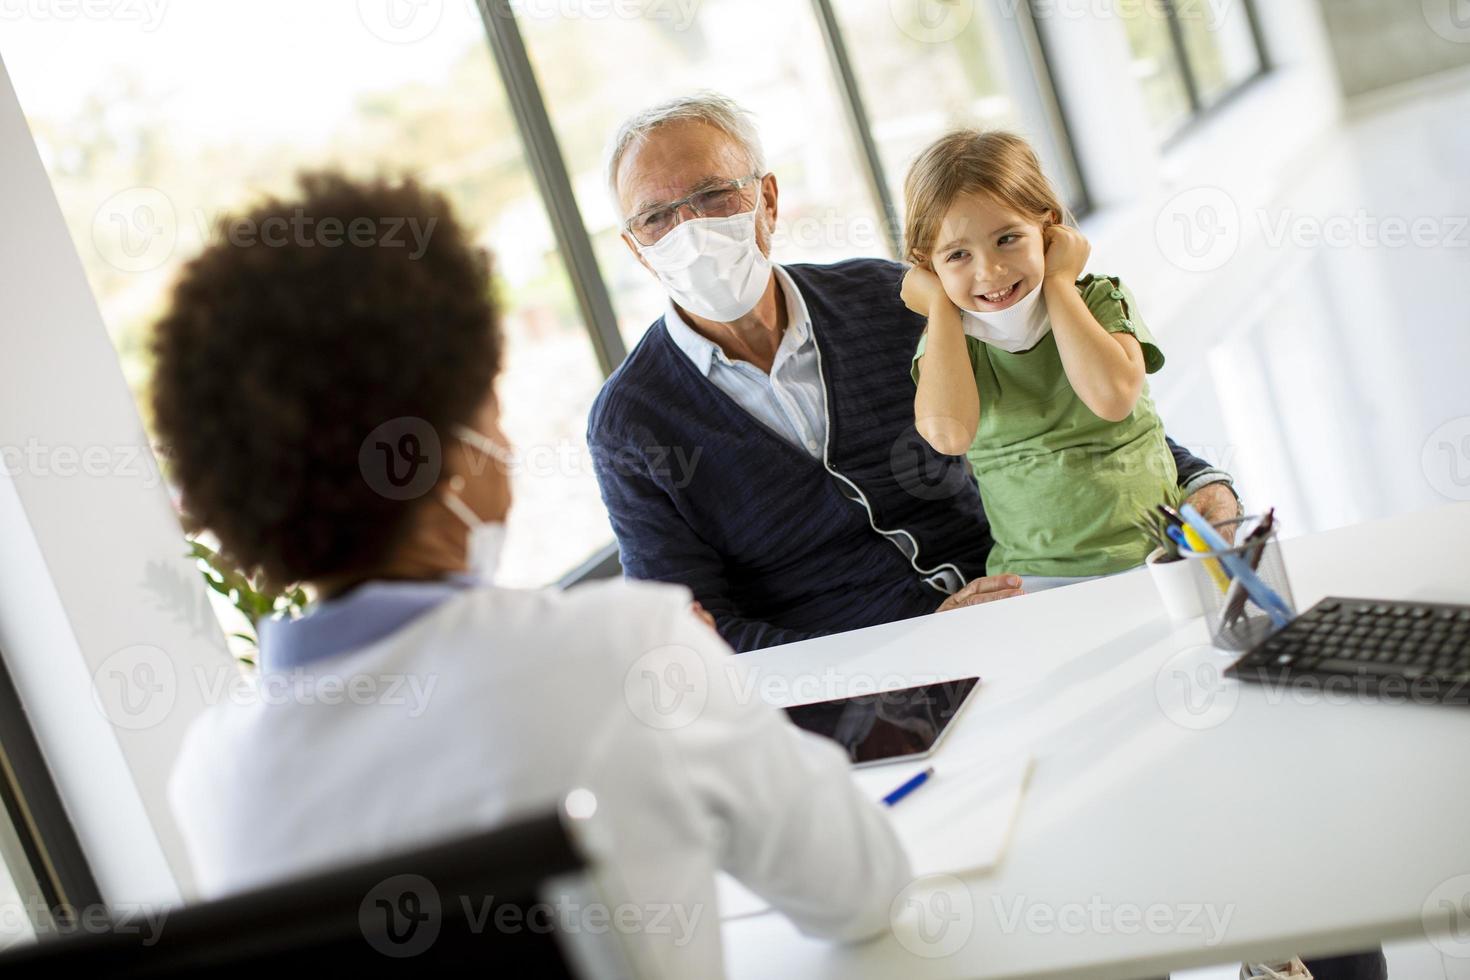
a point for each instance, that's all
(719, 200)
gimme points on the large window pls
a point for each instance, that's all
(154, 124)
(926, 67)
(1220, 46)
(1157, 66)
(150, 134)
(1190, 54)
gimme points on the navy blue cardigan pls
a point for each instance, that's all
(701, 494)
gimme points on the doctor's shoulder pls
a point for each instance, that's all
(610, 623)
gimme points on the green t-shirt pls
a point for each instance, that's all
(1061, 486)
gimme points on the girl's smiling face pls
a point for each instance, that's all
(987, 256)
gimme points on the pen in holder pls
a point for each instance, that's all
(1243, 586)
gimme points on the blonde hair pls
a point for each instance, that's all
(997, 164)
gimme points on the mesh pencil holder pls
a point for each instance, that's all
(1237, 620)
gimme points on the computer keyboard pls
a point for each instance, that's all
(1416, 651)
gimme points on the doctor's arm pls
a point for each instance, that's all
(794, 827)
(656, 543)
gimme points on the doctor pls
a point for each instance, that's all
(331, 419)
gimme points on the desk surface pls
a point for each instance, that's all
(1174, 818)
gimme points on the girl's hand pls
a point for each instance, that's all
(922, 291)
(1067, 251)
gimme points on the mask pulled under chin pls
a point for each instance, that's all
(712, 267)
(486, 540)
(1017, 328)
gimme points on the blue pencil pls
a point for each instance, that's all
(1264, 595)
(908, 787)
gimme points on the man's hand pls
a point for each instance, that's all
(1216, 503)
(1067, 251)
(987, 589)
(922, 291)
(702, 614)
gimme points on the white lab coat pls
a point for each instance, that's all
(521, 696)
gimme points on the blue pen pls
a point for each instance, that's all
(1263, 594)
(908, 787)
(1177, 536)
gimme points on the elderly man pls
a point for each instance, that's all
(758, 445)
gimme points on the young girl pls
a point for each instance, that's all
(1034, 372)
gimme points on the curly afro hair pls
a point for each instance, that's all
(309, 323)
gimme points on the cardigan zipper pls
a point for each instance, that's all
(935, 578)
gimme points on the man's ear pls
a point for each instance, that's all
(770, 192)
(633, 247)
(765, 220)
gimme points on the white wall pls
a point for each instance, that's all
(94, 585)
(1381, 43)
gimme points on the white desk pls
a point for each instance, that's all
(1304, 827)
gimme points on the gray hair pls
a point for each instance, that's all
(710, 108)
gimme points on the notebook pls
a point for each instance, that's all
(957, 823)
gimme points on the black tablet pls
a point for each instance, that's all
(890, 726)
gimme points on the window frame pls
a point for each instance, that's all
(548, 168)
(1199, 110)
(1050, 106)
(56, 871)
(1038, 100)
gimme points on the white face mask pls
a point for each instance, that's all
(712, 267)
(486, 538)
(1014, 329)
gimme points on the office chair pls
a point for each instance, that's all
(462, 906)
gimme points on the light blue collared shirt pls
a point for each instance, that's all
(360, 618)
(790, 401)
